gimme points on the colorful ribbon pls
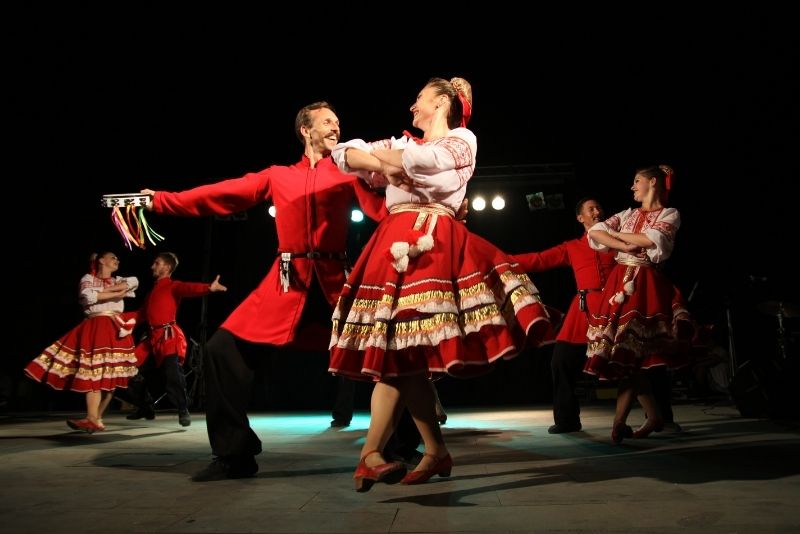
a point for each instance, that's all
(133, 227)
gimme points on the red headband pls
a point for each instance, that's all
(667, 184)
(466, 109)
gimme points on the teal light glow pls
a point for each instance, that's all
(303, 423)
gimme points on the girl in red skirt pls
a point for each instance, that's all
(426, 297)
(632, 329)
(97, 356)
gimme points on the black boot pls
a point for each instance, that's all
(143, 412)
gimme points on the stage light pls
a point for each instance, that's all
(498, 203)
(478, 203)
(356, 216)
(271, 210)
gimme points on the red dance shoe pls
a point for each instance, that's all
(388, 473)
(84, 425)
(442, 467)
(654, 425)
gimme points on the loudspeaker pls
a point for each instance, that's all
(766, 388)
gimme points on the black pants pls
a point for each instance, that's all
(405, 439)
(141, 390)
(566, 367)
(661, 382)
(344, 405)
(228, 372)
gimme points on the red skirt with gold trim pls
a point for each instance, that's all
(632, 328)
(90, 357)
(456, 309)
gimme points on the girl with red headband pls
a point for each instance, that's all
(427, 297)
(632, 329)
(97, 356)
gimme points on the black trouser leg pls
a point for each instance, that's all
(661, 382)
(405, 439)
(343, 406)
(175, 383)
(138, 390)
(228, 380)
(566, 366)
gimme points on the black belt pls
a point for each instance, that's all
(286, 262)
(317, 255)
(582, 293)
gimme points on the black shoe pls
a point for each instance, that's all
(143, 412)
(563, 429)
(227, 468)
(184, 418)
(340, 423)
(409, 458)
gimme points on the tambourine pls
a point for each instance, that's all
(131, 225)
(124, 199)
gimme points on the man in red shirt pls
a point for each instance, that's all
(165, 340)
(292, 306)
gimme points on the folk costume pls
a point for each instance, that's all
(96, 355)
(426, 295)
(591, 269)
(312, 206)
(632, 328)
(159, 312)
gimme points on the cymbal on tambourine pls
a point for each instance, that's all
(776, 307)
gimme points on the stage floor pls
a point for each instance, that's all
(724, 473)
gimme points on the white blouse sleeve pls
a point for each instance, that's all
(374, 179)
(612, 223)
(88, 291)
(662, 233)
(133, 284)
(445, 164)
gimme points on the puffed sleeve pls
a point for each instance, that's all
(662, 234)
(374, 179)
(443, 165)
(133, 285)
(612, 223)
(88, 291)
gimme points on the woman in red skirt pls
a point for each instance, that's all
(426, 297)
(632, 329)
(97, 356)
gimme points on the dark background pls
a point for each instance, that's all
(112, 100)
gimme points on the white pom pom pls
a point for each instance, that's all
(401, 264)
(425, 242)
(629, 287)
(126, 327)
(617, 298)
(399, 249)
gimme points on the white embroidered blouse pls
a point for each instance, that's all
(659, 226)
(442, 167)
(92, 285)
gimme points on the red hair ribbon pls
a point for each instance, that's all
(467, 109)
(667, 185)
